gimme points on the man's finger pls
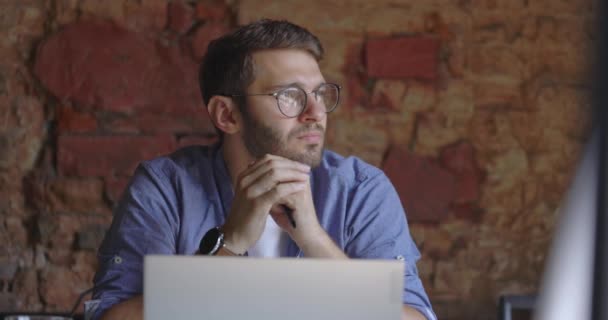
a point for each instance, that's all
(281, 191)
(272, 165)
(273, 178)
(270, 159)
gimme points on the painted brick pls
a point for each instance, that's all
(181, 16)
(404, 57)
(356, 79)
(425, 188)
(106, 155)
(194, 140)
(115, 186)
(459, 159)
(103, 66)
(468, 212)
(212, 10)
(73, 121)
(182, 121)
(204, 34)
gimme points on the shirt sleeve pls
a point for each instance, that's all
(377, 228)
(144, 222)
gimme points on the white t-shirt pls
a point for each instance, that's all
(272, 243)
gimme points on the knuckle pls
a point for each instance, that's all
(275, 193)
(273, 174)
(272, 162)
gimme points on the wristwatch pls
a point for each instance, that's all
(212, 241)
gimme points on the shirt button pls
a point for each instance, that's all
(117, 260)
(400, 258)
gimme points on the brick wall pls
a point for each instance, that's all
(477, 110)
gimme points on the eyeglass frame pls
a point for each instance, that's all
(276, 96)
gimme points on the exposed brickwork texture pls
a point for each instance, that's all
(476, 110)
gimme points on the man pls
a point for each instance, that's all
(268, 188)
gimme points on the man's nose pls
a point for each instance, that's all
(314, 111)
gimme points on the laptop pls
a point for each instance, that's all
(214, 288)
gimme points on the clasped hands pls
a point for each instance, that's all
(269, 186)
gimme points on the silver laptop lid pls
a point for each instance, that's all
(195, 287)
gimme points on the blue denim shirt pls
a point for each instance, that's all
(172, 201)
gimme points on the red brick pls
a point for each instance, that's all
(89, 63)
(115, 186)
(353, 59)
(357, 94)
(72, 121)
(405, 57)
(183, 121)
(467, 211)
(468, 187)
(425, 188)
(181, 16)
(193, 140)
(106, 155)
(175, 89)
(212, 10)
(204, 34)
(103, 66)
(459, 159)
(356, 79)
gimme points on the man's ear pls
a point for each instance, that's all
(224, 114)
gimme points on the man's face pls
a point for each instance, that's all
(265, 128)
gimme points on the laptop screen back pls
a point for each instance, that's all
(195, 287)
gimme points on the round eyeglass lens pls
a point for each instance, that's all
(291, 101)
(329, 95)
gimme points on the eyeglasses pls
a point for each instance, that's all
(292, 100)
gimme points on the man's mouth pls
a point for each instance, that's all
(311, 136)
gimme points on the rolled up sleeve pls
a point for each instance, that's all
(144, 223)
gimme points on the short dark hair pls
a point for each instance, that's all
(227, 67)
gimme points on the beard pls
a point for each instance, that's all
(260, 140)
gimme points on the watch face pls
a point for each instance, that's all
(210, 242)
